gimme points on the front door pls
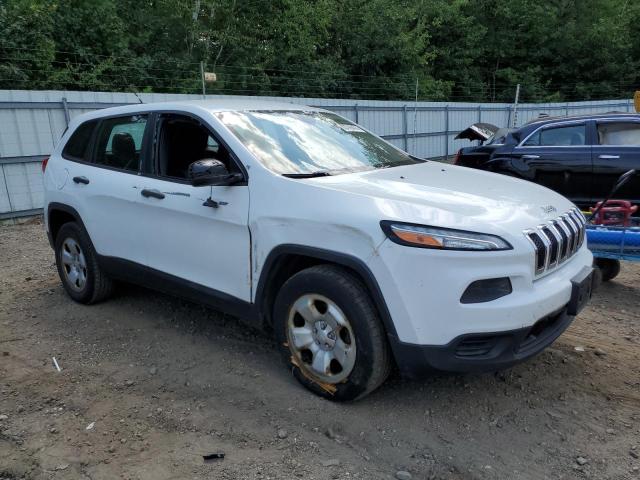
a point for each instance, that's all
(197, 234)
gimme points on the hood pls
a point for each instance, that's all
(445, 195)
(478, 131)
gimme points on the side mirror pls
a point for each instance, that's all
(211, 172)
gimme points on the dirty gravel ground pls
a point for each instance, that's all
(163, 381)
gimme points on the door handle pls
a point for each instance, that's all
(530, 157)
(152, 193)
(83, 180)
(609, 157)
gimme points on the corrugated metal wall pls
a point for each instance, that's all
(31, 122)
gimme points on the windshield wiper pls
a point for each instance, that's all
(307, 175)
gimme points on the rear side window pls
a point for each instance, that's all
(119, 142)
(619, 133)
(559, 136)
(78, 145)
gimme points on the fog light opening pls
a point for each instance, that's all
(482, 291)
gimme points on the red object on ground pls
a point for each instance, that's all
(614, 212)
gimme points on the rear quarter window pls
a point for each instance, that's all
(76, 147)
(619, 133)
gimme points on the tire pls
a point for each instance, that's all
(77, 263)
(334, 302)
(609, 268)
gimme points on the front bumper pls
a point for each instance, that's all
(432, 329)
(479, 352)
(422, 289)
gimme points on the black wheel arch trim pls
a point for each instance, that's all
(63, 207)
(269, 269)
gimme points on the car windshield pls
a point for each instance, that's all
(299, 143)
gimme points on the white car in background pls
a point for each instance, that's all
(358, 256)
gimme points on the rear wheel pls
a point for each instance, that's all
(609, 268)
(77, 263)
(330, 334)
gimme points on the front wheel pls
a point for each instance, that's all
(330, 333)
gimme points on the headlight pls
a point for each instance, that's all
(441, 238)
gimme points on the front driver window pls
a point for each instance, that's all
(572, 135)
(182, 141)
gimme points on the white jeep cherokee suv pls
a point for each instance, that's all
(356, 254)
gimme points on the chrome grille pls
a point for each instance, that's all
(557, 240)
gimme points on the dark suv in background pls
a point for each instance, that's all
(580, 157)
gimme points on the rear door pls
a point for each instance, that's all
(103, 185)
(617, 150)
(558, 156)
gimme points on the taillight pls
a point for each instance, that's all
(457, 157)
(44, 164)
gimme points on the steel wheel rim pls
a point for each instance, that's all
(74, 264)
(321, 338)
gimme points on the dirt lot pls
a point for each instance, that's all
(150, 383)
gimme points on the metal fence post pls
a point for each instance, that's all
(508, 109)
(446, 132)
(65, 107)
(204, 88)
(566, 110)
(6, 186)
(355, 109)
(405, 128)
(479, 113)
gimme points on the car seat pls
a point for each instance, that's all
(123, 150)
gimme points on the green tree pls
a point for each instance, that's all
(26, 46)
(455, 49)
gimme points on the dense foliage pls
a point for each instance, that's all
(475, 50)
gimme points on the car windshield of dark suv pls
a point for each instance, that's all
(308, 144)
